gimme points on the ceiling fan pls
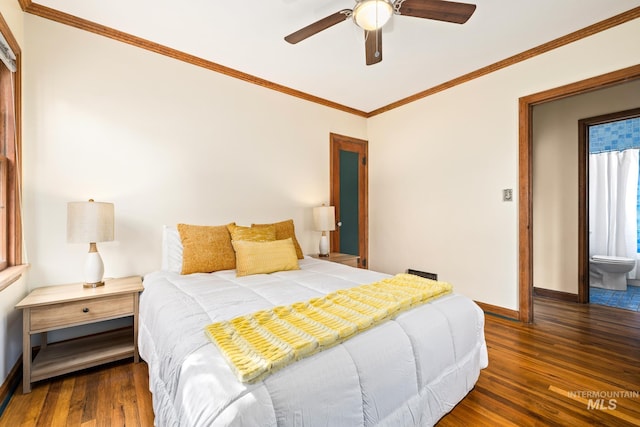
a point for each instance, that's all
(371, 15)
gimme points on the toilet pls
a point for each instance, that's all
(610, 272)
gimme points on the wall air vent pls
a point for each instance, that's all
(424, 274)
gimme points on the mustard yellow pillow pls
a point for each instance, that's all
(206, 248)
(264, 257)
(253, 234)
(285, 230)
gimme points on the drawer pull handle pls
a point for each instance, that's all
(85, 310)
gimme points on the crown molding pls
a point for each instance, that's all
(523, 56)
(93, 27)
(83, 24)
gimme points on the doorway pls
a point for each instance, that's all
(525, 188)
(619, 143)
(350, 196)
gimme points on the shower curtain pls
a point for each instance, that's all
(613, 198)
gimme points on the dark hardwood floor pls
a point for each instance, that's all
(550, 373)
(112, 395)
(546, 372)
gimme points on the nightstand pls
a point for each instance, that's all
(346, 259)
(55, 307)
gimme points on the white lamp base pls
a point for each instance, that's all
(93, 268)
(324, 245)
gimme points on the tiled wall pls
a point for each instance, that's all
(617, 136)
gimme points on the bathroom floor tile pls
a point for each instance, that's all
(629, 299)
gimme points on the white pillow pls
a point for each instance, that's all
(171, 249)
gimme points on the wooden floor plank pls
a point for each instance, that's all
(535, 377)
(124, 410)
(76, 402)
(141, 382)
(104, 407)
(92, 395)
(63, 404)
(45, 418)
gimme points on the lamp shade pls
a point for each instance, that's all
(324, 218)
(372, 14)
(89, 222)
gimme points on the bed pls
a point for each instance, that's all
(410, 370)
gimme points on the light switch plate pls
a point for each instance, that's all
(507, 195)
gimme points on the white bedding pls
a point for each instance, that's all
(408, 371)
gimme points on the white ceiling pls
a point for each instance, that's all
(417, 53)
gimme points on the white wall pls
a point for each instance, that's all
(555, 180)
(438, 167)
(13, 15)
(165, 141)
(11, 319)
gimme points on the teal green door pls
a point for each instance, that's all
(349, 196)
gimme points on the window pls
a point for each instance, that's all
(10, 152)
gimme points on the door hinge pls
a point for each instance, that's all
(364, 161)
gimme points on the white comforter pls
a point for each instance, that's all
(408, 371)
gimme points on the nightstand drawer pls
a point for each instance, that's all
(80, 312)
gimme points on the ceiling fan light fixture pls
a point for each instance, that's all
(371, 15)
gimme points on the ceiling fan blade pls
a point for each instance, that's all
(318, 26)
(373, 46)
(440, 10)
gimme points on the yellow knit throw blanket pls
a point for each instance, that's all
(257, 344)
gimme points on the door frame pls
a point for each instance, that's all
(525, 181)
(336, 143)
(583, 185)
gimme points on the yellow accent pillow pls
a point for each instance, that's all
(206, 248)
(253, 234)
(285, 230)
(264, 257)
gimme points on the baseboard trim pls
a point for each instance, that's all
(10, 385)
(499, 311)
(556, 295)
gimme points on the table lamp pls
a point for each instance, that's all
(90, 222)
(324, 219)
